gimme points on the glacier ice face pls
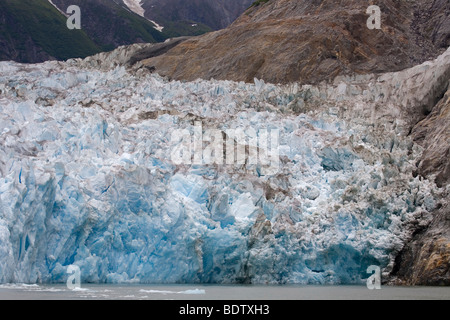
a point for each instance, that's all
(86, 178)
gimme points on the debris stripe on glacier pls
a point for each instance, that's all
(86, 179)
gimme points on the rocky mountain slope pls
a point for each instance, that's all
(281, 41)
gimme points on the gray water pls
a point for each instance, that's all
(218, 292)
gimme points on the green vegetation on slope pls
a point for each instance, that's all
(46, 26)
(112, 26)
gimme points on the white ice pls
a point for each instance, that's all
(86, 178)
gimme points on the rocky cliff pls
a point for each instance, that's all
(281, 41)
(426, 259)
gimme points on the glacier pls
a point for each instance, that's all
(86, 178)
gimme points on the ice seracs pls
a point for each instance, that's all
(87, 180)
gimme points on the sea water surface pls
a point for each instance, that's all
(217, 292)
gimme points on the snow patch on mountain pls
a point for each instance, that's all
(136, 6)
(157, 26)
(62, 12)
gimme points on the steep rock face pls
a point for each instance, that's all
(431, 20)
(425, 260)
(433, 133)
(310, 41)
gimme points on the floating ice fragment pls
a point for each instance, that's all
(193, 291)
